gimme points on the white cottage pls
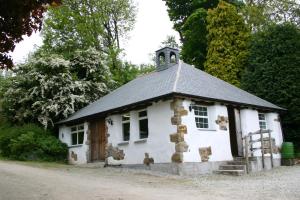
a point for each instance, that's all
(177, 119)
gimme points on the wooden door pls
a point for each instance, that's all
(98, 140)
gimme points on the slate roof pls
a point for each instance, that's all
(180, 79)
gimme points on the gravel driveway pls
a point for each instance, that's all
(52, 181)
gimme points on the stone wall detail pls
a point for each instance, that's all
(73, 156)
(148, 160)
(222, 121)
(178, 137)
(114, 152)
(88, 143)
(205, 152)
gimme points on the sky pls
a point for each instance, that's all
(151, 28)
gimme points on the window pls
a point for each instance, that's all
(201, 116)
(143, 124)
(262, 121)
(77, 134)
(126, 126)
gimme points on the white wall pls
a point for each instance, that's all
(196, 138)
(79, 150)
(274, 125)
(250, 123)
(158, 144)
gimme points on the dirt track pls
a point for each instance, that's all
(43, 181)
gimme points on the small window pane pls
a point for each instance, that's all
(126, 117)
(73, 129)
(143, 128)
(126, 133)
(261, 117)
(81, 127)
(143, 113)
(201, 122)
(74, 139)
(80, 137)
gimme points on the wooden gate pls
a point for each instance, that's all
(98, 140)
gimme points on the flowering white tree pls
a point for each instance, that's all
(48, 89)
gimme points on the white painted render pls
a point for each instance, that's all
(217, 139)
(158, 143)
(80, 150)
(250, 123)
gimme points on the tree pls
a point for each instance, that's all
(90, 23)
(18, 18)
(260, 13)
(227, 43)
(189, 18)
(194, 49)
(273, 72)
(170, 41)
(48, 89)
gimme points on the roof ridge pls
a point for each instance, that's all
(177, 76)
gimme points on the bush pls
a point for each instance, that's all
(30, 142)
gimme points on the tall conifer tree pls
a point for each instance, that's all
(227, 43)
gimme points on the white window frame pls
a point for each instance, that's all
(141, 118)
(77, 131)
(125, 122)
(201, 116)
(262, 121)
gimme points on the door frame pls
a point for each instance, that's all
(98, 139)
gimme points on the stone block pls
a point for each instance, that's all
(222, 121)
(177, 157)
(183, 112)
(148, 160)
(176, 120)
(181, 147)
(114, 152)
(205, 152)
(182, 129)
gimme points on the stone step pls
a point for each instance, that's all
(230, 172)
(239, 159)
(236, 162)
(232, 167)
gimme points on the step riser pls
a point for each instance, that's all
(232, 167)
(232, 173)
(236, 163)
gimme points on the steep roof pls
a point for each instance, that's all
(180, 79)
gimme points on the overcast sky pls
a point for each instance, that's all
(151, 28)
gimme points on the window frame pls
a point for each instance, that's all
(262, 121)
(143, 118)
(125, 122)
(77, 132)
(198, 116)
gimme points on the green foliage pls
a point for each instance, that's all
(195, 42)
(78, 25)
(129, 72)
(49, 89)
(227, 43)
(261, 13)
(170, 42)
(273, 72)
(30, 142)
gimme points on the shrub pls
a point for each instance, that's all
(30, 142)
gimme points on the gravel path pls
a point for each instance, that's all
(62, 182)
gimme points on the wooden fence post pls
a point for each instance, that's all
(271, 149)
(262, 149)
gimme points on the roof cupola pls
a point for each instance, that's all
(166, 57)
